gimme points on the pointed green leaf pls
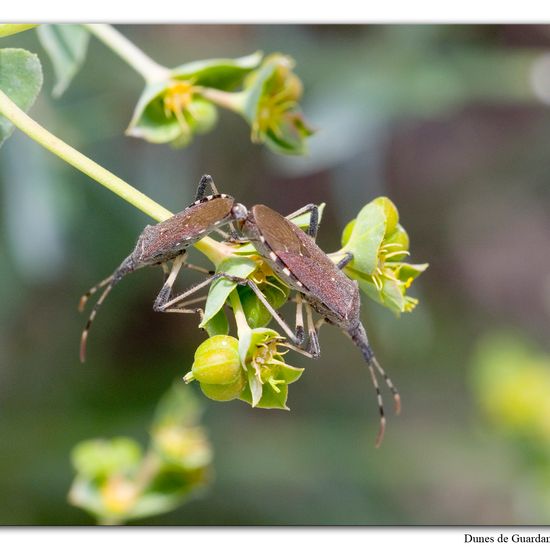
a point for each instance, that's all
(21, 80)
(366, 237)
(7, 29)
(289, 374)
(409, 272)
(255, 386)
(220, 289)
(218, 324)
(66, 45)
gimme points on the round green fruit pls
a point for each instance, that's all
(217, 361)
(224, 392)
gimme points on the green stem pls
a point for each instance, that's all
(238, 312)
(149, 69)
(70, 155)
(232, 101)
(209, 247)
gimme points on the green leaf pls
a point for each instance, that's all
(254, 387)
(260, 393)
(218, 324)
(289, 373)
(270, 399)
(222, 74)
(220, 289)
(97, 458)
(366, 237)
(66, 45)
(409, 272)
(7, 29)
(21, 80)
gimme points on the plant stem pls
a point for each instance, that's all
(149, 69)
(238, 312)
(228, 100)
(26, 124)
(209, 247)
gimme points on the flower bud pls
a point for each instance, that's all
(217, 361)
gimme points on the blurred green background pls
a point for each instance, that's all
(452, 123)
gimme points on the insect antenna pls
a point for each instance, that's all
(126, 267)
(359, 337)
(86, 296)
(389, 383)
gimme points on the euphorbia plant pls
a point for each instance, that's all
(175, 105)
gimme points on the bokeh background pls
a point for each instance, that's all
(452, 123)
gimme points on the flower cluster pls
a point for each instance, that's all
(116, 481)
(185, 102)
(379, 244)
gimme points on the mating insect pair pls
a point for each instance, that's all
(291, 254)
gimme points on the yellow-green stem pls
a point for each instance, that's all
(238, 312)
(228, 100)
(213, 250)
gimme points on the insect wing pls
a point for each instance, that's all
(186, 227)
(306, 261)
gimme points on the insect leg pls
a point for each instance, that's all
(299, 327)
(198, 268)
(345, 260)
(166, 290)
(313, 219)
(163, 305)
(313, 346)
(205, 181)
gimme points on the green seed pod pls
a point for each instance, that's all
(400, 237)
(224, 392)
(217, 361)
(391, 213)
